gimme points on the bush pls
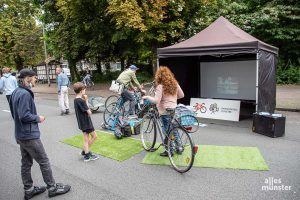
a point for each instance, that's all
(105, 78)
(289, 74)
(142, 77)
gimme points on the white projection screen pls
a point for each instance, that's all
(228, 80)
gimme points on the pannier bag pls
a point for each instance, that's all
(185, 116)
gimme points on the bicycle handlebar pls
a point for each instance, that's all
(149, 83)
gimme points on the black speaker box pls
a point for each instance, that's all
(272, 126)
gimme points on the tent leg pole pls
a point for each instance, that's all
(257, 68)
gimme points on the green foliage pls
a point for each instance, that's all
(20, 35)
(105, 78)
(288, 74)
(131, 31)
(142, 77)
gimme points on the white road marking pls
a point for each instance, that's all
(6, 111)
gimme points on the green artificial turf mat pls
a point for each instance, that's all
(107, 145)
(228, 157)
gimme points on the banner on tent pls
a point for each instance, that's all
(216, 108)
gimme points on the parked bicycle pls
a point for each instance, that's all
(88, 82)
(178, 142)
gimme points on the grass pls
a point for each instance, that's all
(107, 145)
(209, 156)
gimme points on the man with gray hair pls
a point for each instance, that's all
(63, 84)
(128, 78)
(27, 135)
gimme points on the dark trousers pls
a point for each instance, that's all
(8, 97)
(128, 96)
(34, 149)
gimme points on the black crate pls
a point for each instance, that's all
(269, 125)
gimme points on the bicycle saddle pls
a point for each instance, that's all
(170, 110)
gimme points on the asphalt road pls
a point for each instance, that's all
(110, 179)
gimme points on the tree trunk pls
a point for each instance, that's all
(107, 67)
(19, 62)
(155, 64)
(99, 67)
(122, 64)
(73, 69)
(154, 59)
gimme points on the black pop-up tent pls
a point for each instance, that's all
(224, 62)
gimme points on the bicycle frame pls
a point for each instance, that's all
(176, 141)
(159, 124)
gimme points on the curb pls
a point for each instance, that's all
(288, 109)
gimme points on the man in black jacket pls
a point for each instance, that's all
(27, 135)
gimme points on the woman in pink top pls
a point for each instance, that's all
(166, 95)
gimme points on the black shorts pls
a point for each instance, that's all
(88, 131)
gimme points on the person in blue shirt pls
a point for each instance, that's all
(8, 83)
(63, 84)
(27, 135)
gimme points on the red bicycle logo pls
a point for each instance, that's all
(200, 107)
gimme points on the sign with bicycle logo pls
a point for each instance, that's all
(216, 108)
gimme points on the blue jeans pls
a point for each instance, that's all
(167, 126)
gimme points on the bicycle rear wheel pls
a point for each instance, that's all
(148, 132)
(111, 99)
(180, 149)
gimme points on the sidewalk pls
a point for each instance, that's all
(98, 90)
(287, 96)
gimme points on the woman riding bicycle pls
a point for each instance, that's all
(166, 94)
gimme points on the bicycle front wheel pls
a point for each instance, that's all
(180, 149)
(148, 132)
(111, 113)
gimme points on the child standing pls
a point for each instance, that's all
(84, 121)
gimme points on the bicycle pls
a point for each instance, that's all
(87, 81)
(177, 142)
(122, 106)
(112, 110)
(115, 97)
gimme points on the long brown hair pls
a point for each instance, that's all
(166, 78)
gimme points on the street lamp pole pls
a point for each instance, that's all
(46, 56)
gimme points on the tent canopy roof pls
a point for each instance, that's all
(221, 37)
